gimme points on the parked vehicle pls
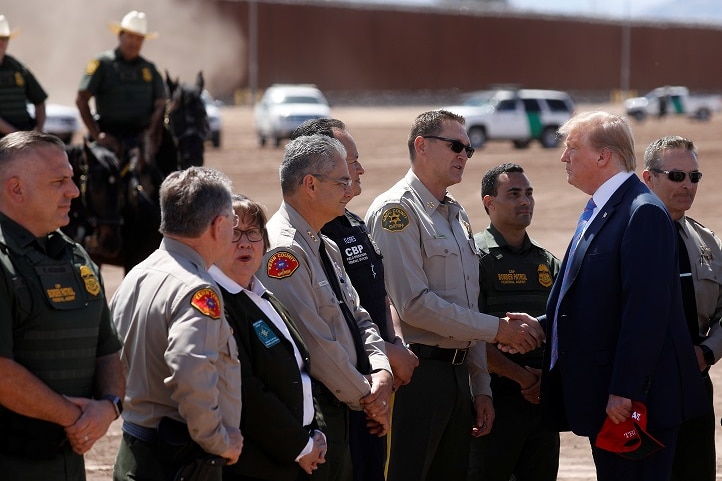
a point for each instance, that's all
(673, 100)
(284, 107)
(519, 115)
(60, 120)
(214, 118)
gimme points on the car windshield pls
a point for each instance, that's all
(478, 100)
(300, 99)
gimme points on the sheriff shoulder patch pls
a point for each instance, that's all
(207, 302)
(394, 219)
(281, 264)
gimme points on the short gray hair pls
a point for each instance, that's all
(190, 199)
(653, 152)
(308, 154)
(21, 144)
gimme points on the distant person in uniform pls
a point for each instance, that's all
(663, 104)
(183, 407)
(18, 87)
(363, 262)
(128, 89)
(515, 274)
(671, 170)
(62, 382)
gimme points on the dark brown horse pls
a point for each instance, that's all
(117, 215)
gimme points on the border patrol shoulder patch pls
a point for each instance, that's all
(207, 302)
(394, 219)
(281, 264)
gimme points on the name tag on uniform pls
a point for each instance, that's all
(265, 334)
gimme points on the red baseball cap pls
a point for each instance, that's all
(630, 438)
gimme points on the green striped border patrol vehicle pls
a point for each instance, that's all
(518, 115)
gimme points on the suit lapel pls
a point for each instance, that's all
(591, 232)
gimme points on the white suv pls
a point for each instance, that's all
(284, 107)
(517, 115)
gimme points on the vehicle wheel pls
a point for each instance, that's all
(521, 144)
(638, 115)
(477, 137)
(216, 139)
(549, 138)
(703, 114)
(262, 141)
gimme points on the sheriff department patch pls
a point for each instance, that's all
(281, 264)
(91, 282)
(207, 302)
(92, 66)
(545, 277)
(394, 219)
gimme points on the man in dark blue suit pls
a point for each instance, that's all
(614, 324)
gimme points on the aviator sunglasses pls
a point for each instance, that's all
(678, 175)
(455, 146)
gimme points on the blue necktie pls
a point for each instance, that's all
(583, 219)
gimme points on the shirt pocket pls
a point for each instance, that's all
(442, 265)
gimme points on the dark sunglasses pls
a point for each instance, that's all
(678, 175)
(455, 146)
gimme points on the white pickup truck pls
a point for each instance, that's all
(678, 102)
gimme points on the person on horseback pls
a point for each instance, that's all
(128, 89)
(18, 87)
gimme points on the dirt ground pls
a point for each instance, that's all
(381, 137)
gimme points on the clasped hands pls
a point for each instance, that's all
(519, 333)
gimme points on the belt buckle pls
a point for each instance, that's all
(459, 356)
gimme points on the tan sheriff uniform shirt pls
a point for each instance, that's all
(292, 270)
(705, 251)
(432, 272)
(179, 355)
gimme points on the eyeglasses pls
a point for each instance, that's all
(345, 182)
(456, 146)
(254, 235)
(678, 175)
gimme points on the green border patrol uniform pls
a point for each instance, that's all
(514, 280)
(55, 322)
(125, 92)
(18, 87)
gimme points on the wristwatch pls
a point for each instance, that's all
(115, 401)
(708, 354)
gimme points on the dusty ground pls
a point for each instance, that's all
(381, 136)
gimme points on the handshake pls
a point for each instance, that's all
(518, 333)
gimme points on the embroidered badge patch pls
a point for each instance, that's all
(19, 79)
(207, 302)
(147, 75)
(91, 282)
(281, 264)
(545, 277)
(92, 67)
(394, 219)
(265, 334)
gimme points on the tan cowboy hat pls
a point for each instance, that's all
(5, 31)
(133, 22)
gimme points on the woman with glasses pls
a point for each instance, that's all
(282, 440)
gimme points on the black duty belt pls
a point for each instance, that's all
(435, 353)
